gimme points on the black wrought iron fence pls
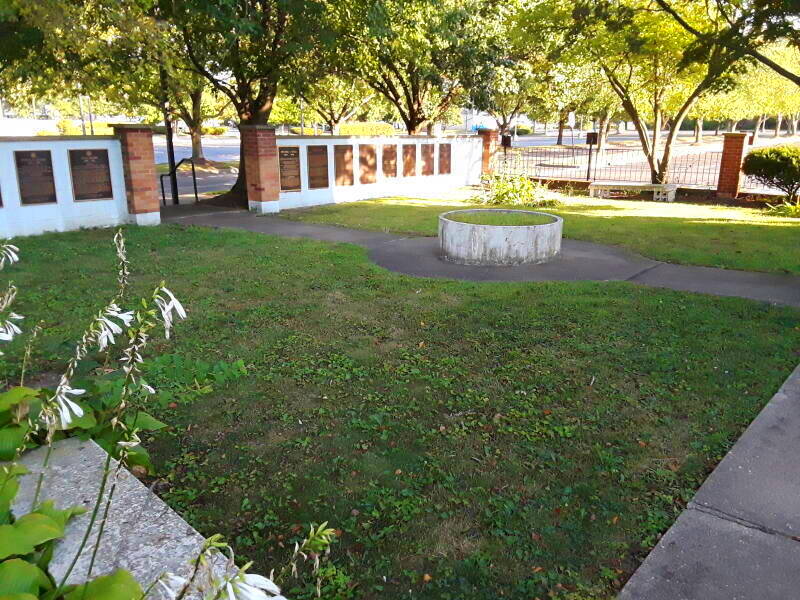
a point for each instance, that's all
(614, 164)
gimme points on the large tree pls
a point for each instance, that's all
(748, 27)
(421, 55)
(653, 66)
(248, 49)
(336, 99)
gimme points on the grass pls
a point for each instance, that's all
(501, 218)
(505, 440)
(211, 166)
(715, 236)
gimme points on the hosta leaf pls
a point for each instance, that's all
(142, 420)
(26, 533)
(120, 585)
(18, 576)
(16, 395)
(61, 517)
(12, 438)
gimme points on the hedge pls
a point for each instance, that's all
(777, 167)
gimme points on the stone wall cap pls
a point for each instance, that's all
(52, 138)
(383, 137)
(131, 126)
(736, 133)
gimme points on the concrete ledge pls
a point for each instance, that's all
(146, 219)
(142, 534)
(264, 208)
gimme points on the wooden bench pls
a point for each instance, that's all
(662, 192)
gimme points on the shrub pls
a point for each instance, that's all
(777, 167)
(366, 128)
(523, 130)
(67, 127)
(785, 209)
(213, 130)
(305, 131)
(519, 190)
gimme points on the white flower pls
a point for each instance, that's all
(66, 407)
(148, 389)
(8, 254)
(108, 328)
(247, 586)
(132, 441)
(171, 585)
(168, 305)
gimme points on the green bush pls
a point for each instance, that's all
(305, 131)
(516, 190)
(67, 127)
(213, 130)
(785, 209)
(366, 128)
(777, 167)
(524, 130)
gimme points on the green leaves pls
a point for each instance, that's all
(120, 585)
(12, 439)
(26, 533)
(15, 396)
(21, 580)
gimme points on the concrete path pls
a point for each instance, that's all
(579, 261)
(738, 539)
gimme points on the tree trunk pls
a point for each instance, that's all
(719, 126)
(604, 123)
(197, 145)
(732, 125)
(778, 123)
(698, 131)
(562, 120)
(758, 128)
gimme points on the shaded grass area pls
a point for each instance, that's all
(504, 439)
(501, 218)
(209, 166)
(715, 236)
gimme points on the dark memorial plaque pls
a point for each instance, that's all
(317, 167)
(409, 160)
(427, 159)
(444, 159)
(91, 175)
(390, 160)
(35, 176)
(343, 164)
(289, 164)
(368, 163)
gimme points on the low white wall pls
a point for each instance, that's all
(66, 213)
(465, 168)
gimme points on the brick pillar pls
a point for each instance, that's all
(260, 148)
(490, 146)
(730, 166)
(139, 164)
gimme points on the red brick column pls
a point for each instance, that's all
(260, 149)
(139, 164)
(490, 146)
(730, 167)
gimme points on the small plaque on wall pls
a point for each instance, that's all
(409, 160)
(368, 163)
(343, 164)
(390, 160)
(91, 175)
(317, 167)
(445, 153)
(35, 176)
(427, 159)
(289, 164)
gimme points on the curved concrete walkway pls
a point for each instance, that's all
(579, 261)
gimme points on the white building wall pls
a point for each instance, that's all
(66, 213)
(465, 169)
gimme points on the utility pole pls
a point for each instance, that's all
(173, 177)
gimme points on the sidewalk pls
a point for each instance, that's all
(579, 261)
(738, 537)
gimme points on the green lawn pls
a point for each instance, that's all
(500, 218)
(507, 440)
(716, 236)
